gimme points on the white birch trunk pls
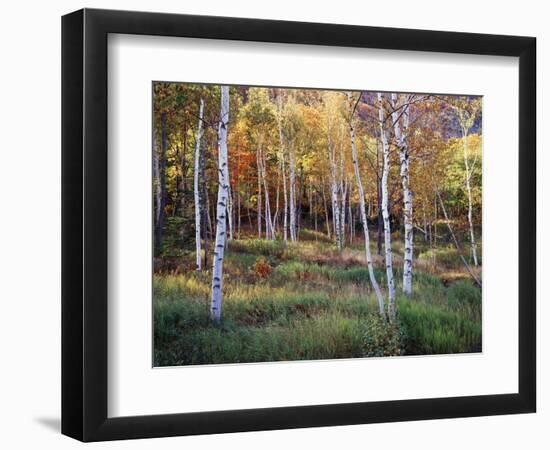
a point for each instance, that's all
(386, 213)
(292, 211)
(350, 216)
(325, 206)
(223, 191)
(469, 192)
(269, 234)
(401, 138)
(285, 193)
(334, 194)
(196, 189)
(344, 194)
(277, 198)
(283, 172)
(336, 215)
(342, 198)
(364, 222)
(230, 210)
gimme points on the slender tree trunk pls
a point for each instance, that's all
(434, 239)
(325, 206)
(238, 215)
(299, 203)
(259, 199)
(334, 195)
(204, 202)
(344, 194)
(269, 234)
(315, 200)
(285, 194)
(283, 172)
(380, 219)
(350, 215)
(277, 201)
(310, 198)
(230, 211)
(469, 192)
(162, 177)
(209, 215)
(386, 212)
(239, 195)
(364, 222)
(223, 188)
(369, 202)
(401, 138)
(156, 175)
(196, 188)
(292, 182)
(425, 223)
(183, 164)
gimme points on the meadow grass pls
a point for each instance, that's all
(312, 303)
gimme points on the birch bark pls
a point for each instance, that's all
(467, 119)
(334, 191)
(292, 187)
(283, 170)
(468, 176)
(364, 222)
(269, 234)
(401, 138)
(223, 188)
(385, 211)
(343, 193)
(196, 190)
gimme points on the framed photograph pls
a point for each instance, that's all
(273, 224)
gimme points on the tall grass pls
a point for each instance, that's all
(306, 307)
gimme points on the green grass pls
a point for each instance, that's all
(314, 304)
(447, 257)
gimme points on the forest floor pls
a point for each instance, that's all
(306, 301)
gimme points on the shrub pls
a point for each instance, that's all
(262, 268)
(382, 338)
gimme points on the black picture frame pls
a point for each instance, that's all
(84, 224)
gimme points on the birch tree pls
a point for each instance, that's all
(223, 192)
(363, 214)
(196, 189)
(385, 209)
(292, 183)
(400, 118)
(283, 170)
(293, 124)
(467, 112)
(334, 191)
